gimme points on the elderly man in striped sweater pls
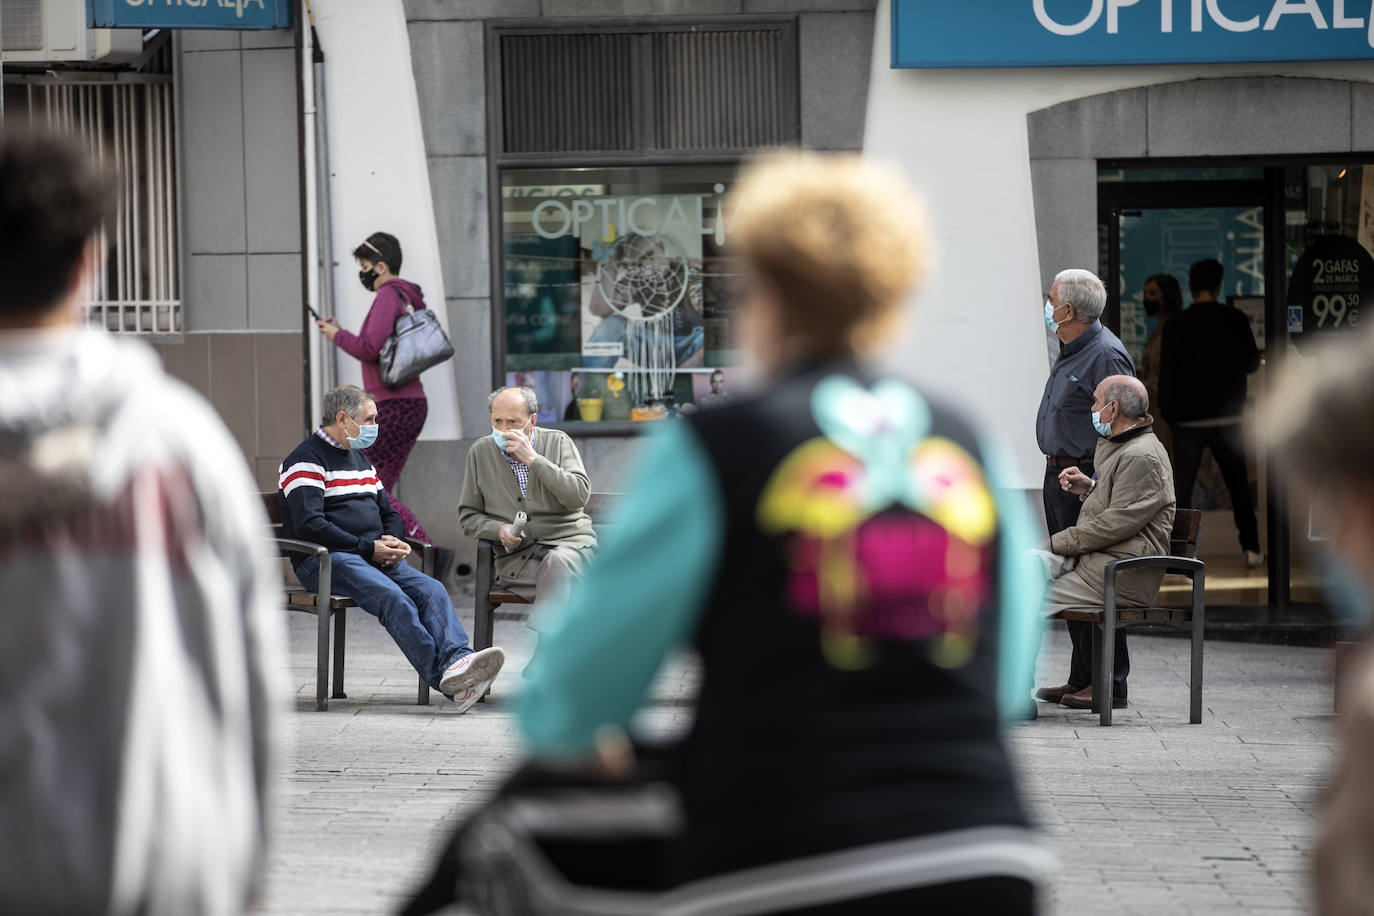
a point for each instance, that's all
(329, 493)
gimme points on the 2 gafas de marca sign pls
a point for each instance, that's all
(1051, 33)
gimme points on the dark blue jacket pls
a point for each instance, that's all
(331, 496)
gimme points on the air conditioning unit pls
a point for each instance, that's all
(54, 31)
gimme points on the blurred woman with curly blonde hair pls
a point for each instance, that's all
(837, 549)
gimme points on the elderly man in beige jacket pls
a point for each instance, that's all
(1128, 511)
(519, 469)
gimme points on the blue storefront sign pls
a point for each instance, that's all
(1056, 33)
(190, 14)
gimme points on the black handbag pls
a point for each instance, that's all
(416, 343)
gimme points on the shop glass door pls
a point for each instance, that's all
(1153, 231)
(1328, 228)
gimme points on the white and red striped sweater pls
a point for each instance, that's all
(331, 495)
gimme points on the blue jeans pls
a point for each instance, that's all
(413, 607)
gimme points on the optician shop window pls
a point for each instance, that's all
(617, 292)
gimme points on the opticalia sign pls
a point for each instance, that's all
(189, 14)
(1054, 33)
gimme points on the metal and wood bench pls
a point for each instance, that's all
(298, 598)
(1181, 561)
(490, 597)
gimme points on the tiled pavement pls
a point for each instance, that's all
(1150, 816)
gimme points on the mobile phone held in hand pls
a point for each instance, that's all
(519, 523)
(313, 314)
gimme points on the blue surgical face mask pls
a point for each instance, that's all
(1049, 317)
(366, 436)
(500, 438)
(1103, 429)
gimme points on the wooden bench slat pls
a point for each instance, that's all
(308, 600)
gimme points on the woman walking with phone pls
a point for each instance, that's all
(401, 411)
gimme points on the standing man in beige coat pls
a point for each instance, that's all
(518, 469)
(1128, 511)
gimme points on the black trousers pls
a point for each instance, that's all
(1228, 448)
(1061, 511)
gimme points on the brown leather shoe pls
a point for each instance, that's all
(1054, 694)
(1083, 699)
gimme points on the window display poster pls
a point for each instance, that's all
(716, 388)
(1331, 281)
(717, 303)
(553, 389)
(543, 305)
(642, 280)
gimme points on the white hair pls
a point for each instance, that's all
(1130, 395)
(531, 399)
(348, 398)
(1084, 291)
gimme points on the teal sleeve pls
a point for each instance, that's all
(1022, 589)
(642, 597)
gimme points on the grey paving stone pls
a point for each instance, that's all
(1207, 819)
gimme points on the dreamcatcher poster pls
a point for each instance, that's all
(641, 284)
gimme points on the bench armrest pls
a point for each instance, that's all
(1178, 566)
(426, 551)
(290, 545)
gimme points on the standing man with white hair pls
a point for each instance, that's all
(1064, 428)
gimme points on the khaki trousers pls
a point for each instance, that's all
(546, 578)
(1068, 589)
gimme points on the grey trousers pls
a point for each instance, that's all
(547, 577)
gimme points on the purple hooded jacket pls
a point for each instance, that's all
(366, 345)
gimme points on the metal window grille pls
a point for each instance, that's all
(130, 126)
(21, 25)
(675, 88)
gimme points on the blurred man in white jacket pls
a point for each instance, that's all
(135, 593)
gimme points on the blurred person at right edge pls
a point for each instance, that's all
(140, 624)
(841, 553)
(1316, 427)
(1163, 299)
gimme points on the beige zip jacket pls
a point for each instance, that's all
(1130, 513)
(555, 499)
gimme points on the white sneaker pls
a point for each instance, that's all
(470, 695)
(478, 666)
(1253, 559)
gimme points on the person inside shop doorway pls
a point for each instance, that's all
(1206, 353)
(1163, 300)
